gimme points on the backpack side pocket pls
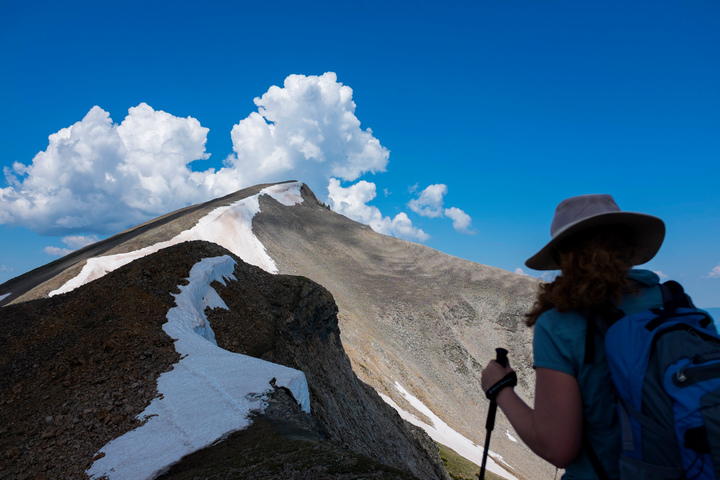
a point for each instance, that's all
(710, 407)
(633, 469)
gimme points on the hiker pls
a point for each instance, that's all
(595, 245)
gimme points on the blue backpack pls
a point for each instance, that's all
(665, 364)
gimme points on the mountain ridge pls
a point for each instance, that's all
(38, 282)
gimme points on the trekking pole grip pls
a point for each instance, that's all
(509, 380)
(501, 356)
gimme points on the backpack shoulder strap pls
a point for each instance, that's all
(597, 324)
(590, 339)
(673, 296)
(594, 459)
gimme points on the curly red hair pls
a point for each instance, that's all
(594, 266)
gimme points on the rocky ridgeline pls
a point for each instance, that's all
(76, 370)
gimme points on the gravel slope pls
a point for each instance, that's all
(413, 315)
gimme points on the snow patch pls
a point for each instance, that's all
(442, 433)
(3, 297)
(498, 457)
(229, 227)
(208, 394)
(510, 437)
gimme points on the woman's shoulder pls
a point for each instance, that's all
(569, 322)
(559, 339)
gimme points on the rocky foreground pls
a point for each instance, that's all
(77, 369)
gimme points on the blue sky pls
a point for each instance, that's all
(486, 113)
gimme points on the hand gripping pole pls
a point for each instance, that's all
(509, 380)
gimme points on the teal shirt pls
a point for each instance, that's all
(559, 344)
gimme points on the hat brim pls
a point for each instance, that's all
(647, 231)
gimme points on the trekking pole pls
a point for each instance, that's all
(509, 380)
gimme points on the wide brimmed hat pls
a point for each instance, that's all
(576, 214)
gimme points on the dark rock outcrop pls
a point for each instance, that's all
(294, 323)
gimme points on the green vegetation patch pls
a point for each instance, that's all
(460, 468)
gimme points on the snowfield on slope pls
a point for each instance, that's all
(208, 394)
(442, 433)
(229, 227)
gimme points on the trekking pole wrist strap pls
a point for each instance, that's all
(509, 380)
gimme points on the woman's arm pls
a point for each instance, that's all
(553, 429)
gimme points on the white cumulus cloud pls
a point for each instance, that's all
(661, 275)
(715, 272)
(57, 251)
(461, 220)
(99, 176)
(307, 127)
(73, 242)
(429, 203)
(352, 202)
(79, 241)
